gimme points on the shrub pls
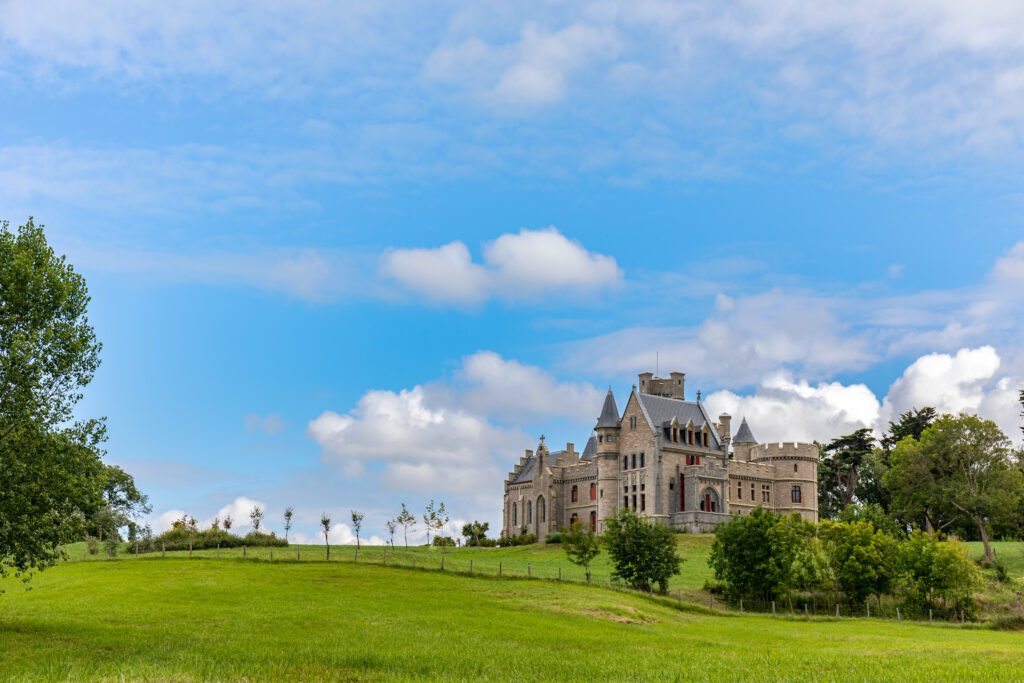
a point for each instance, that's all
(521, 539)
(443, 542)
(93, 544)
(553, 538)
(741, 555)
(182, 538)
(488, 543)
(643, 553)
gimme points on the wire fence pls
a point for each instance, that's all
(479, 564)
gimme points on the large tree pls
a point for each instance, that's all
(961, 469)
(51, 476)
(643, 553)
(842, 462)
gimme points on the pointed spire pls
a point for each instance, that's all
(610, 412)
(744, 435)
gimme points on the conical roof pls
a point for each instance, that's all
(610, 412)
(744, 435)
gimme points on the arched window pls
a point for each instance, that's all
(575, 495)
(593, 492)
(515, 515)
(574, 519)
(593, 520)
(541, 510)
(709, 500)
(529, 512)
(796, 495)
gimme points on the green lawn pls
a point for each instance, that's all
(228, 620)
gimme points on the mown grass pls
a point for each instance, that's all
(184, 620)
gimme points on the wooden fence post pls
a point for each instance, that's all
(271, 553)
(837, 609)
(244, 551)
(529, 570)
(867, 604)
(471, 567)
(773, 608)
(190, 550)
(559, 572)
(899, 617)
(741, 605)
(499, 569)
(805, 609)
(929, 615)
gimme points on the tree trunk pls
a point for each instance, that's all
(927, 523)
(989, 557)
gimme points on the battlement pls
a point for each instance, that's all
(788, 449)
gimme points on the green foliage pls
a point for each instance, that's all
(183, 534)
(520, 539)
(862, 559)
(51, 476)
(911, 424)
(554, 538)
(474, 532)
(840, 471)
(357, 525)
(741, 555)
(962, 469)
(931, 570)
(407, 521)
(873, 513)
(443, 542)
(643, 554)
(581, 545)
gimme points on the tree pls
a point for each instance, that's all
(643, 553)
(407, 521)
(962, 467)
(474, 531)
(391, 525)
(441, 520)
(256, 517)
(911, 423)
(741, 555)
(862, 559)
(289, 512)
(357, 525)
(581, 545)
(845, 457)
(930, 570)
(434, 518)
(51, 474)
(325, 524)
(228, 522)
(123, 504)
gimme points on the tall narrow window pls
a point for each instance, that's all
(634, 461)
(625, 462)
(515, 515)
(796, 495)
(641, 460)
(739, 491)
(634, 501)
(625, 501)
(643, 502)
(751, 490)
(574, 496)
(593, 492)
(682, 493)
(593, 520)
(541, 510)
(529, 512)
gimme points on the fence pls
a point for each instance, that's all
(476, 562)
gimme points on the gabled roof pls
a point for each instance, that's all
(526, 473)
(610, 412)
(660, 410)
(590, 449)
(744, 435)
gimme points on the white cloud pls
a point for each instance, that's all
(267, 424)
(493, 385)
(785, 410)
(746, 339)
(528, 264)
(163, 521)
(239, 510)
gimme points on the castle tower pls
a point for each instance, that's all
(743, 442)
(607, 458)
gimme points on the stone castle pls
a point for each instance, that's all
(666, 460)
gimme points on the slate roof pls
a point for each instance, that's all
(660, 411)
(744, 435)
(526, 474)
(610, 412)
(590, 449)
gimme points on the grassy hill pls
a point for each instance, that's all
(180, 619)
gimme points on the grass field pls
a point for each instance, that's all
(177, 619)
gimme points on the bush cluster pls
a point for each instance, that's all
(443, 542)
(764, 556)
(553, 538)
(521, 539)
(182, 538)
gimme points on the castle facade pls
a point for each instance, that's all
(665, 459)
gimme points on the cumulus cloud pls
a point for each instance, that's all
(744, 340)
(965, 382)
(526, 264)
(239, 510)
(163, 521)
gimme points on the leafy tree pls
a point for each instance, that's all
(911, 423)
(430, 518)
(644, 554)
(357, 525)
(741, 555)
(962, 467)
(391, 525)
(407, 521)
(840, 470)
(325, 525)
(581, 545)
(123, 504)
(873, 513)
(792, 565)
(51, 475)
(930, 570)
(289, 512)
(228, 522)
(474, 531)
(256, 517)
(862, 558)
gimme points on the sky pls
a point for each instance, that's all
(348, 255)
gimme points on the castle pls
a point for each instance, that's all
(666, 460)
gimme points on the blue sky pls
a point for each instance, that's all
(348, 256)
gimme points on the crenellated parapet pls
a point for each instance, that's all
(784, 450)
